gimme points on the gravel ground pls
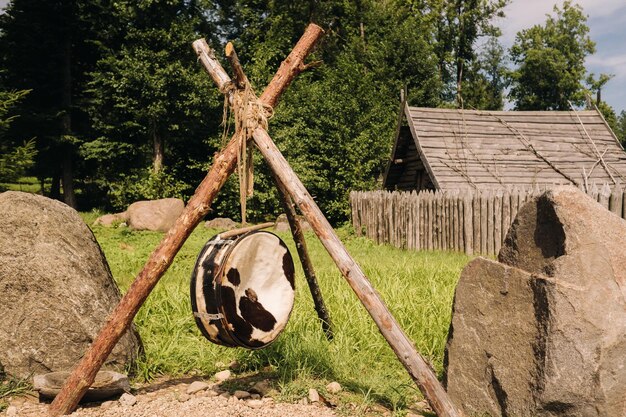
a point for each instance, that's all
(173, 401)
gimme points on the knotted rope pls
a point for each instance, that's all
(249, 113)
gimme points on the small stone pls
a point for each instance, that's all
(197, 386)
(256, 404)
(107, 404)
(241, 394)
(12, 411)
(223, 375)
(183, 398)
(211, 393)
(334, 387)
(261, 387)
(304, 401)
(233, 399)
(225, 394)
(234, 365)
(255, 396)
(314, 396)
(127, 400)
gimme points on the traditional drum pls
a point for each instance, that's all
(242, 289)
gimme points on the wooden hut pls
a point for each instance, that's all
(450, 149)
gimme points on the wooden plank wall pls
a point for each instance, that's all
(464, 221)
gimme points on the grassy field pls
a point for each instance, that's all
(417, 287)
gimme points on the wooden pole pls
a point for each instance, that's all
(242, 230)
(161, 258)
(415, 364)
(296, 230)
(305, 260)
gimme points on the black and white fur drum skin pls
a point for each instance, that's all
(242, 289)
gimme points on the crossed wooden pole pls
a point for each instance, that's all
(224, 164)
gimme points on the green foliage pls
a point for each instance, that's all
(550, 61)
(15, 159)
(484, 85)
(457, 26)
(11, 386)
(146, 185)
(418, 287)
(149, 94)
(620, 127)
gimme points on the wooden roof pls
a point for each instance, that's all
(460, 149)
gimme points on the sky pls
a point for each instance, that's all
(607, 24)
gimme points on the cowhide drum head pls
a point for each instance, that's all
(242, 289)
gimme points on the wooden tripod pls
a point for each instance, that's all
(121, 318)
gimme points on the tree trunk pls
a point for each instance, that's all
(69, 197)
(158, 152)
(55, 186)
(67, 176)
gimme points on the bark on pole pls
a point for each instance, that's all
(305, 260)
(161, 258)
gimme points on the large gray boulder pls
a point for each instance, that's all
(56, 289)
(543, 332)
(156, 215)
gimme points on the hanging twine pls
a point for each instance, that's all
(248, 113)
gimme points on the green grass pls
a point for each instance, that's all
(417, 287)
(26, 184)
(10, 387)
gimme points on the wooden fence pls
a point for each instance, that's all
(470, 222)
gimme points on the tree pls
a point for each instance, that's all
(15, 158)
(48, 47)
(620, 127)
(151, 105)
(457, 26)
(335, 124)
(550, 61)
(486, 81)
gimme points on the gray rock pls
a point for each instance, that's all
(221, 223)
(261, 388)
(183, 398)
(333, 387)
(127, 400)
(56, 289)
(222, 375)
(314, 396)
(109, 220)
(542, 332)
(196, 386)
(241, 395)
(106, 385)
(282, 224)
(108, 404)
(255, 404)
(490, 349)
(156, 215)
